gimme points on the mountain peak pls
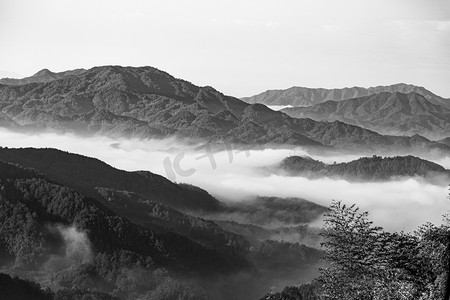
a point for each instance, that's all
(44, 72)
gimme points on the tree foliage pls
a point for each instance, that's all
(366, 262)
(302, 292)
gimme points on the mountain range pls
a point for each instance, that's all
(87, 174)
(302, 96)
(87, 230)
(386, 113)
(375, 168)
(137, 227)
(145, 102)
(110, 229)
(44, 75)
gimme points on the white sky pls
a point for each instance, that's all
(239, 47)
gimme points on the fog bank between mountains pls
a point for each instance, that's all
(77, 249)
(235, 175)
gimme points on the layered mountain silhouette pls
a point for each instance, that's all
(88, 174)
(39, 200)
(138, 230)
(146, 197)
(387, 113)
(375, 168)
(148, 103)
(302, 96)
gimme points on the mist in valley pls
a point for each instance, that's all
(238, 175)
(268, 209)
(76, 248)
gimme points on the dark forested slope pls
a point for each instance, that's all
(88, 174)
(31, 205)
(142, 197)
(374, 168)
(83, 239)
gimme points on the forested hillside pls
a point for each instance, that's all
(87, 174)
(374, 168)
(363, 261)
(81, 239)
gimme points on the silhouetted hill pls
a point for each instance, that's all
(301, 96)
(31, 205)
(386, 113)
(100, 235)
(374, 168)
(148, 103)
(87, 175)
(142, 197)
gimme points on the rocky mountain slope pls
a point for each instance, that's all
(386, 113)
(302, 96)
(146, 102)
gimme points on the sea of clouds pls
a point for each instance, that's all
(237, 175)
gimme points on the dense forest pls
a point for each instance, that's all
(364, 262)
(85, 174)
(78, 239)
(77, 248)
(117, 236)
(375, 168)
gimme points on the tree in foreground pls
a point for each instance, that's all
(365, 262)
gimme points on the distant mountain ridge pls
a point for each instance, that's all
(141, 102)
(145, 102)
(387, 113)
(375, 168)
(44, 75)
(302, 96)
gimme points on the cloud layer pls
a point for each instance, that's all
(233, 175)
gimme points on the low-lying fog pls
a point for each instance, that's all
(234, 175)
(279, 107)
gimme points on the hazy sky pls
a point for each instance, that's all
(239, 47)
